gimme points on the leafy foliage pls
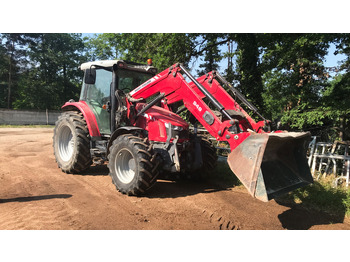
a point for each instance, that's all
(3, 78)
(163, 49)
(248, 67)
(294, 73)
(211, 54)
(47, 70)
(13, 56)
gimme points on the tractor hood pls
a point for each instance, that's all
(156, 113)
(158, 122)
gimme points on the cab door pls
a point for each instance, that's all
(97, 96)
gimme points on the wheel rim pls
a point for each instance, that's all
(66, 143)
(125, 166)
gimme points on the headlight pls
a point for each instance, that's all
(177, 128)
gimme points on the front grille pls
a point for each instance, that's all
(183, 134)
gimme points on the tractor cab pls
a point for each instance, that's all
(101, 81)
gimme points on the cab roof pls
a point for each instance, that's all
(110, 63)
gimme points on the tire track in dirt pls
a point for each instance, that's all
(221, 222)
(89, 184)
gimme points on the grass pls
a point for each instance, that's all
(26, 126)
(346, 202)
(320, 196)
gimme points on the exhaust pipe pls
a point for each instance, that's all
(272, 164)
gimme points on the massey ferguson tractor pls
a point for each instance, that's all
(129, 116)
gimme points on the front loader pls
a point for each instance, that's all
(126, 116)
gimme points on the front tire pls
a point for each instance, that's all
(132, 164)
(71, 143)
(209, 155)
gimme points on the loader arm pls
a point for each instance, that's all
(175, 88)
(211, 82)
(268, 164)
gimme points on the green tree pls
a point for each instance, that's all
(53, 76)
(210, 48)
(336, 107)
(335, 97)
(248, 68)
(163, 49)
(294, 77)
(3, 77)
(14, 61)
(229, 72)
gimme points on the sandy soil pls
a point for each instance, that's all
(35, 194)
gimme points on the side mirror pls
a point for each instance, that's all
(90, 76)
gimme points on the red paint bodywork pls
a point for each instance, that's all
(154, 121)
(176, 88)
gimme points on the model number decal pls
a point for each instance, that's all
(197, 106)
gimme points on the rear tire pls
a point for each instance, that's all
(209, 158)
(71, 143)
(132, 164)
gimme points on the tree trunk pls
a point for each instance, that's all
(341, 128)
(9, 89)
(9, 104)
(65, 87)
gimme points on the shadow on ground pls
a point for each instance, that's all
(182, 188)
(299, 217)
(171, 185)
(220, 178)
(317, 205)
(98, 170)
(34, 198)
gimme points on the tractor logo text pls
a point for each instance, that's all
(197, 106)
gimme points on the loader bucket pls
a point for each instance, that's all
(272, 164)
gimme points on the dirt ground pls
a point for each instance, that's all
(35, 194)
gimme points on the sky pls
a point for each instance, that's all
(331, 59)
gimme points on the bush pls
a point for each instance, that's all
(346, 202)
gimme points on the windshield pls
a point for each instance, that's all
(129, 80)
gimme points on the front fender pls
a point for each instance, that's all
(88, 115)
(121, 131)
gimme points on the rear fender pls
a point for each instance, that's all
(87, 113)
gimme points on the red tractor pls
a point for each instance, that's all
(128, 115)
